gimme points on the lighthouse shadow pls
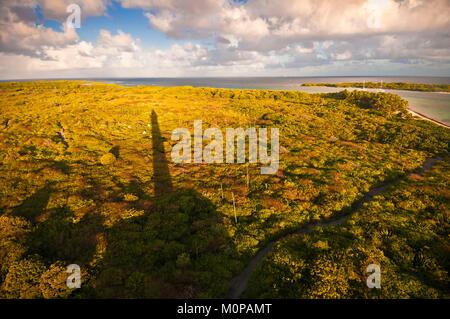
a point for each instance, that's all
(179, 247)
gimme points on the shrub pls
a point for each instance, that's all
(130, 198)
(107, 159)
(22, 280)
(53, 282)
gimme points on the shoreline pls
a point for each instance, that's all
(426, 118)
(101, 81)
(381, 89)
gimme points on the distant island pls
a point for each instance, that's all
(421, 87)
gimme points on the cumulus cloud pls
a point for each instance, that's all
(20, 37)
(262, 25)
(113, 54)
(121, 41)
(294, 19)
(21, 33)
(228, 37)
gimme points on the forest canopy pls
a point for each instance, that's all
(85, 179)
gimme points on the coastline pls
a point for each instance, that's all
(89, 82)
(426, 118)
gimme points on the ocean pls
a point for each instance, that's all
(271, 83)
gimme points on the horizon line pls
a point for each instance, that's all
(224, 77)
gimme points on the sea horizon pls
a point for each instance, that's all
(430, 79)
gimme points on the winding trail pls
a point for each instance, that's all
(239, 283)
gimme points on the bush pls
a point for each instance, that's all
(130, 198)
(107, 159)
(22, 280)
(53, 282)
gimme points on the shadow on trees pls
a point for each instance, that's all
(161, 174)
(179, 248)
(115, 150)
(57, 237)
(33, 206)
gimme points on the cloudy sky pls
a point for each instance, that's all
(170, 38)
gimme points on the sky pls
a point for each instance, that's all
(200, 38)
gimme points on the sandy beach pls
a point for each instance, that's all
(426, 118)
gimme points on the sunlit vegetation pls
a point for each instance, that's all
(86, 178)
(388, 85)
(388, 104)
(404, 230)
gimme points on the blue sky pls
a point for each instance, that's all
(131, 20)
(225, 38)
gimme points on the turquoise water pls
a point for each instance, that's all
(434, 105)
(431, 104)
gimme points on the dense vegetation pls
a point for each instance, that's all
(405, 231)
(388, 85)
(86, 179)
(388, 104)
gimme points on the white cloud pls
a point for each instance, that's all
(294, 20)
(339, 30)
(222, 37)
(122, 41)
(20, 33)
(20, 37)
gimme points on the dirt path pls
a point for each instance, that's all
(239, 283)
